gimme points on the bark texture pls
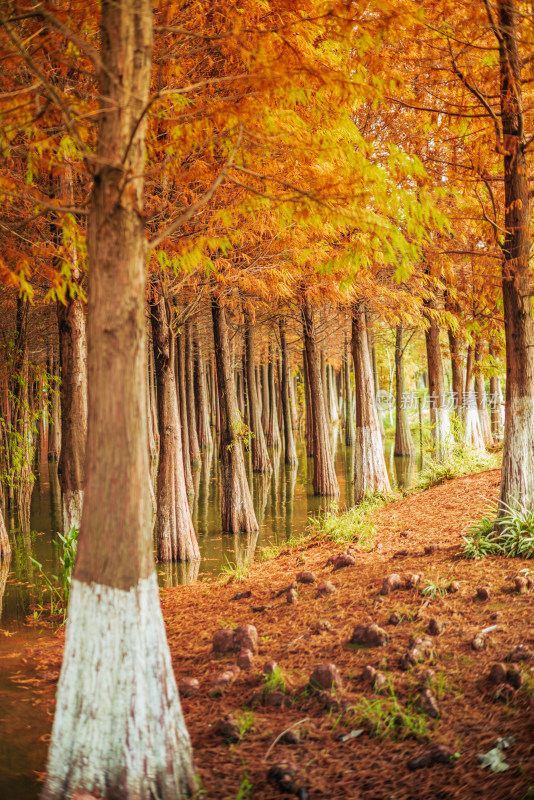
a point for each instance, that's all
(73, 361)
(194, 448)
(404, 444)
(370, 473)
(205, 439)
(517, 481)
(5, 546)
(236, 499)
(439, 414)
(260, 456)
(324, 475)
(176, 539)
(118, 729)
(349, 415)
(290, 451)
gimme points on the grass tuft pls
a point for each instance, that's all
(460, 461)
(511, 535)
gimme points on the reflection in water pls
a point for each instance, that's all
(283, 501)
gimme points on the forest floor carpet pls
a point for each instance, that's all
(356, 742)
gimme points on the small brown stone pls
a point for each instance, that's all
(520, 584)
(223, 641)
(504, 692)
(291, 737)
(426, 678)
(188, 687)
(343, 560)
(478, 643)
(322, 625)
(497, 673)
(245, 659)
(390, 584)
(283, 776)
(269, 667)
(242, 595)
(431, 548)
(326, 677)
(306, 577)
(246, 638)
(369, 673)
(325, 588)
(441, 754)
(223, 681)
(483, 593)
(520, 653)
(412, 580)
(514, 678)
(292, 596)
(428, 704)
(453, 587)
(276, 699)
(394, 618)
(435, 626)
(228, 728)
(369, 636)
(380, 682)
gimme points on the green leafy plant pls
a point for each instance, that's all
(386, 717)
(59, 585)
(353, 524)
(245, 721)
(459, 461)
(274, 681)
(234, 572)
(435, 588)
(511, 534)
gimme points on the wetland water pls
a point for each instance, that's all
(283, 503)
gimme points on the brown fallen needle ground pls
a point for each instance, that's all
(330, 760)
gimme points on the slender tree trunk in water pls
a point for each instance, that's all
(194, 449)
(22, 463)
(153, 434)
(273, 433)
(481, 399)
(332, 393)
(260, 456)
(290, 449)
(472, 430)
(73, 360)
(497, 419)
(439, 414)
(265, 411)
(370, 473)
(349, 417)
(205, 439)
(54, 420)
(236, 499)
(324, 474)
(310, 435)
(404, 444)
(324, 384)
(374, 369)
(176, 539)
(293, 402)
(118, 727)
(457, 371)
(182, 407)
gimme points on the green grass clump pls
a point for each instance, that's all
(274, 682)
(511, 535)
(234, 573)
(386, 717)
(268, 553)
(458, 462)
(353, 524)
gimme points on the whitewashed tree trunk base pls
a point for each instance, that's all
(370, 472)
(72, 509)
(517, 484)
(473, 433)
(118, 729)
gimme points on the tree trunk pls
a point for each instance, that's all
(497, 417)
(54, 419)
(260, 456)
(118, 727)
(236, 500)
(205, 439)
(349, 417)
(439, 414)
(370, 473)
(176, 540)
(266, 408)
(457, 371)
(73, 361)
(404, 444)
(290, 449)
(332, 393)
(194, 449)
(273, 432)
(310, 435)
(5, 547)
(374, 369)
(182, 408)
(324, 474)
(481, 399)
(517, 481)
